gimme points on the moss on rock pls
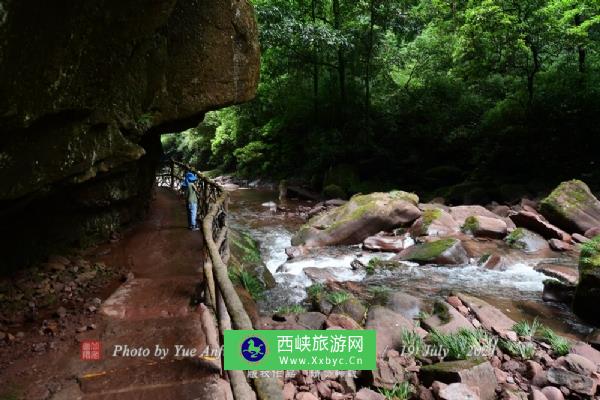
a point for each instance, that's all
(443, 251)
(587, 294)
(471, 224)
(572, 206)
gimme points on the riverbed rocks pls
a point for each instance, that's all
(361, 217)
(447, 251)
(572, 207)
(482, 226)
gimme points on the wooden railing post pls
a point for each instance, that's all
(172, 174)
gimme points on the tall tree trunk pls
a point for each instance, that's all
(315, 72)
(337, 24)
(580, 48)
(369, 56)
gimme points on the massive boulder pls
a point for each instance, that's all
(361, 217)
(572, 207)
(87, 88)
(587, 294)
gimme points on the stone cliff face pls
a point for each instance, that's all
(86, 88)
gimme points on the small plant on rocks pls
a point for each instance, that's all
(400, 391)
(526, 329)
(524, 350)
(560, 345)
(463, 343)
(379, 294)
(412, 341)
(338, 297)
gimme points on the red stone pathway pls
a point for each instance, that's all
(154, 308)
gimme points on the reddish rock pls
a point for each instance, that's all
(341, 321)
(536, 374)
(476, 373)
(572, 206)
(494, 228)
(454, 301)
(564, 273)
(500, 210)
(435, 221)
(536, 223)
(592, 232)
(553, 393)
(490, 317)
(447, 251)
(579, 238)
(537, 395)
(295, 251)
(393, 244)
(389, 372)
(587, 351)
(575, 382)
(289, 391)
(368, 394)
(455, 322)
(461, 213)
(559, 245)
(457, 391)
(306, 396)
(578, 364)
(388, 326)
(404, 304)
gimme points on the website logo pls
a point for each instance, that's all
(253, 349)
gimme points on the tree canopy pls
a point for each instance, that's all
(458, 98)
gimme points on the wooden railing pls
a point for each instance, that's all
(219, 292)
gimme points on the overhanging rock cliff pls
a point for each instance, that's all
(85, 90)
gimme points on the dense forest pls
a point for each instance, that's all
(469, 100)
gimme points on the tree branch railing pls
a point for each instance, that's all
(219, 292)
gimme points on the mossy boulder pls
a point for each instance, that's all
(435, 221)
(587, 294)
(361, 217)
(245, 254)
(444, 251)
(526, 240)
(572, 207)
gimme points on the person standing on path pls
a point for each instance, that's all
(191, 196)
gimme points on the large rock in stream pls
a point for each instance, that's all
(572, 207)
(361, 217)
(444, 252)
(87, 89)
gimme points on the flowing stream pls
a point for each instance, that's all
(516, 290)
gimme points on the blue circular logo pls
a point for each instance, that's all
(253, 349)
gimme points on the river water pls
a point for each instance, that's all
(516, 290)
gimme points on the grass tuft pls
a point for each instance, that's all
(526, 329)
(463, 343)
(400, 391)
(338, 297)
(560, 345)
(524, 350)
(248, 282)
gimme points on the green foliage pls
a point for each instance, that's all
(400, 391)
(524, 350)
(471, 224)
(526, 329)
(514, 238)
(463, 343)
(560, 346)
(474, 86)
(338, 297)
(590, 254)
(315, 291)
(411, 341)
(379, 294)
(248, 281)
